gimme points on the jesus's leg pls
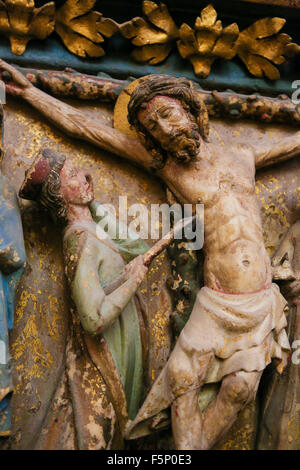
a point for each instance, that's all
(186, 413)
(236, 391)
(187, 421)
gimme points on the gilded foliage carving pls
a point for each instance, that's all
(207, 41)
(21, 22)
(261, 47)
(154, 35)
(82, 29)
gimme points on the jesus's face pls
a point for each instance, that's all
(166, 120)
(76, 185)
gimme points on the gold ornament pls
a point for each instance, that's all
(81, 28)
(260, 47)
(155, 35)
(207, 41)
(21, 22)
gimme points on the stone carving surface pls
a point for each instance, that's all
(169, 136)
(172, 126)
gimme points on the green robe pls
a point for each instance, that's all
(100, 384)
(100, 263)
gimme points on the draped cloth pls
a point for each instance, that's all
(226, 333)
(122, 337)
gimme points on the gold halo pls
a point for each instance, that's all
(121, 108)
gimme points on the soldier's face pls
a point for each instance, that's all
(76, 185)
(171, 126)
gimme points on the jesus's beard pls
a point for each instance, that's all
(185, 144)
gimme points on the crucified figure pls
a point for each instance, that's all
(238, 322)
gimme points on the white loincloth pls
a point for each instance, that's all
(225, 333)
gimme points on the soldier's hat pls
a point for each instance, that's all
(37, 175)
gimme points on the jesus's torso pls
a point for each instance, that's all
(224, 181)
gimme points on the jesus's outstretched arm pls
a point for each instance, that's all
(74, 122)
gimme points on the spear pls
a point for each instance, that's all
(154, 251)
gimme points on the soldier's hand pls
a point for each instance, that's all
(15, 82)
(136, 269)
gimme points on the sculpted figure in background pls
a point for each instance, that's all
(279, 424)
(238, 320)
(12, 263)
(102, 384)
(286, 262)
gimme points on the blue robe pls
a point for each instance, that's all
(12, 262)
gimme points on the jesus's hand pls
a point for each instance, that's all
(15, 82)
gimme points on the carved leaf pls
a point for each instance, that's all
(21, 22)
(155, 34)
(260, 47)
(82, 29)
(207, 41)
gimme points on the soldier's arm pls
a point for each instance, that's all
(74, 122)
(98, 311)
(129, 243)
(287, 148)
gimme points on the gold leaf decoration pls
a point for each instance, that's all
(260, 47)
(21, 22)
(207, 41)
(82, 29)
(154, 35)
